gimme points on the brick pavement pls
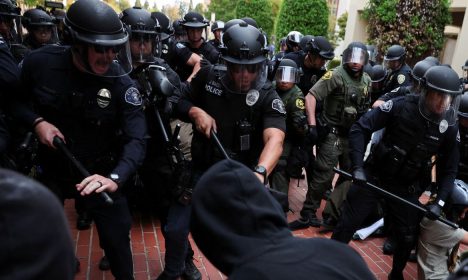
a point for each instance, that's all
(148, 246)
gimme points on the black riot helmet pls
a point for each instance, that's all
(164, 24)
(440, 96)
(10, 14)
(457, 202)
(144, 29)
(287, 72)
(463, 109)
(250, 21)
(319, 45)
(217, 25)
(105, 34)
(395, 53)
(420, 69)
(9, 9)
(355, 57)
(293, 39)
(378, 73)
(433, 59)
(231, 23)
(41, 27)
(243, 48)
(180, 33)
(194, 20)
(304, 41)
(36, 17)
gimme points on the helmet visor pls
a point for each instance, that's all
(355, 55)
(142, 46)
(240, 78)
(437, 106)
(44, 34)
(287, 74)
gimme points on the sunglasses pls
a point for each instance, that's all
(105, 49)
(237, 68)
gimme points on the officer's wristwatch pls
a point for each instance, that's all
(116, 178)
(262, 171)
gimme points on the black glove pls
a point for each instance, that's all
(359, 176)
(312, 134)
(433, 211)
(169, 105)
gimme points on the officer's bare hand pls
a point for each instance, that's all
(46, 132)
(96, 183)
(204, 123)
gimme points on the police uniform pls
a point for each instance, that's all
(344, 100)
(206, 50)
(296, 126)
(396, 164)
(309, 75)
(174, 53)
(104, 127)
(396, 92)
(215, 44)
(236, 115)
(398, 78)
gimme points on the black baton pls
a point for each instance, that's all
(219, 145)
(61, 146)
(396, 197)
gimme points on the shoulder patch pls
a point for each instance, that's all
(401, 78)
(387, 106)
(300, 104)
(132, 96)
(180, 45)
(278, 105)
(328, 75)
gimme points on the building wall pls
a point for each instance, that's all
(454, 52)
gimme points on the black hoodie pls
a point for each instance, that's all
(242, 230)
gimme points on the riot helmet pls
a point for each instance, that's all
(372, 50)
(41, 27)
(9, 21)
(395, 57)
(143, 30)
(292, 41)
(463, 109)
(419, 69)
(244, 50)
(465, 71)
(457, 202)
(433, 59)
(217, 25)
(231, 23)
(250, 21)
(304, 41)
(355, 56)
(99, 46)
(165, 25)
(378, 73)
(440, 96)
(319, 45)
(194, 20)
(287, 72)
(180, 34)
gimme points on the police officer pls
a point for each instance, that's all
(83, 95)
(398, 71)
(238, 104)
(344, 92)
(418, 127)
(378, 74)
(217, 29)
(41, 29)
(10, 28)
(180, 34)
(372, 54)
(294, 157)
(293, 40)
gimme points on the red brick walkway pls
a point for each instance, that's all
(148, 247)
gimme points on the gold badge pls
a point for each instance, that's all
(103, 98)
(300, 104)
(401, 79)
(328, 75)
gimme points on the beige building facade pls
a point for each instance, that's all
(455, 51)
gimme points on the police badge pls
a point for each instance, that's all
(252, 97)
(103, 98)
(443, 126)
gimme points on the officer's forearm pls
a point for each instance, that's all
(195, 62)
(273, 147)
(310, 103)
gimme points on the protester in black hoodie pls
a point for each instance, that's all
(242, 230)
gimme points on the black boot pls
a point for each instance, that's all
(306, 220)
(388, 247)
(104, 264)
(191, 272)
(84, 221)
(164, 276)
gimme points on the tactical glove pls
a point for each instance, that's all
(312, 134)
(359, 176)
(433, 211)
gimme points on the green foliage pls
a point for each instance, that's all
(416, 25)
(342, 20)
(146, 5)
(224, 9)
(259, 10)
(138, 3)
(310, 17)
(124, 4)
(200, 8)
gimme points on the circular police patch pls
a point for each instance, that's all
(103, 98)
(278, 105)
(252, 97)
(328, 75)
(401, 78)
(132, 96)
(386, 106)
(300, 104)
(443, 126)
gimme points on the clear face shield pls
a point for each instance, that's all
(10, 28)
(142, 46)
(356, 58)
(287, 74)
(439, 107)
(392, 64)
(104, 60)
(44, 34)
(241, 78)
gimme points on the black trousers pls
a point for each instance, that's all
(362, 201)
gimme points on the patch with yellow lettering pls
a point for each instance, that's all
(300, 104)
(328, 75)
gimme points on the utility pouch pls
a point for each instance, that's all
(243, 135)
(348, 117)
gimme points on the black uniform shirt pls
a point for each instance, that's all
(309, 75)
(97, 115)
(206, 50)
(398, 78)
